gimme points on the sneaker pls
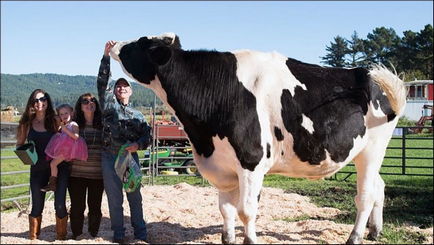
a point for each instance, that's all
(138, 240)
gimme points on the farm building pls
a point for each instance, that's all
(420, 93)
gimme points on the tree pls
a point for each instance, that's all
(425, 54)
(380, 46)
(407, 51)
(355, 50)
(413, 54)
(336, 53)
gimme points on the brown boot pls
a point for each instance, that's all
(61, 227)
(52, 185)
(35, 227)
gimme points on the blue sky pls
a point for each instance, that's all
(69, 37)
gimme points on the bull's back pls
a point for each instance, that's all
(320, 125)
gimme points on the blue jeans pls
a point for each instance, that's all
(39, 179)
(114, 191)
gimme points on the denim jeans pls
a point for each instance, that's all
(39, 179)
(114, 191)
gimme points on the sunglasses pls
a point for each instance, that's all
(42, 99)
(87, 101)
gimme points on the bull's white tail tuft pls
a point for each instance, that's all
(392, 85)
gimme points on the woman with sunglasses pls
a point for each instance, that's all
(39, 123)
(87, 176)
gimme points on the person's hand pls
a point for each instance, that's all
(108, 46)
(133, 147)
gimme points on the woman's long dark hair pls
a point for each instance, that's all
(30, 113)
(79, 115)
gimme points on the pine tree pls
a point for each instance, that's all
(336, 53)
(355, 50)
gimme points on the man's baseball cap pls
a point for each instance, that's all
(123, 80)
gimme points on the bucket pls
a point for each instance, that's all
(27, 153)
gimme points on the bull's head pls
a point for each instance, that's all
(140, 58)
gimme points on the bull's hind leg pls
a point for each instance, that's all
(228, 209)
(376, 217)
(370, 195)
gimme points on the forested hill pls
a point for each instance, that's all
(16, 89)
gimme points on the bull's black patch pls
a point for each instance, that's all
(268, 150)
(380, 101)
(390, 117)
(278, 133)
(336, 101)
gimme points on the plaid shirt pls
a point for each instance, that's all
(122, 124)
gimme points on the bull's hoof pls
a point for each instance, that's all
(355, 239)
(226, 239)
(248, 241)
(373, 235)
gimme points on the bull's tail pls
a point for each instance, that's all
(392, 85)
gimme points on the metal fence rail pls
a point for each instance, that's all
(402, 135)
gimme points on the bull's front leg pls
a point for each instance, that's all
(250, 187)
(227, 205)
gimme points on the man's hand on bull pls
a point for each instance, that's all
(108, 46)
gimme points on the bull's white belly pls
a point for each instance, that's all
(220, 169)
(290, 165)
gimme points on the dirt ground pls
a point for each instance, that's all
(186, 214)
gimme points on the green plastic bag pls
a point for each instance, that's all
(128, 170)
(27, 153)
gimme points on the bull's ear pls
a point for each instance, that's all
(160, 55)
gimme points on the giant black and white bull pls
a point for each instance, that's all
(250, 113)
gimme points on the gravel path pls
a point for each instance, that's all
(185, 214)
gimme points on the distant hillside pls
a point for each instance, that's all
(16, 89)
